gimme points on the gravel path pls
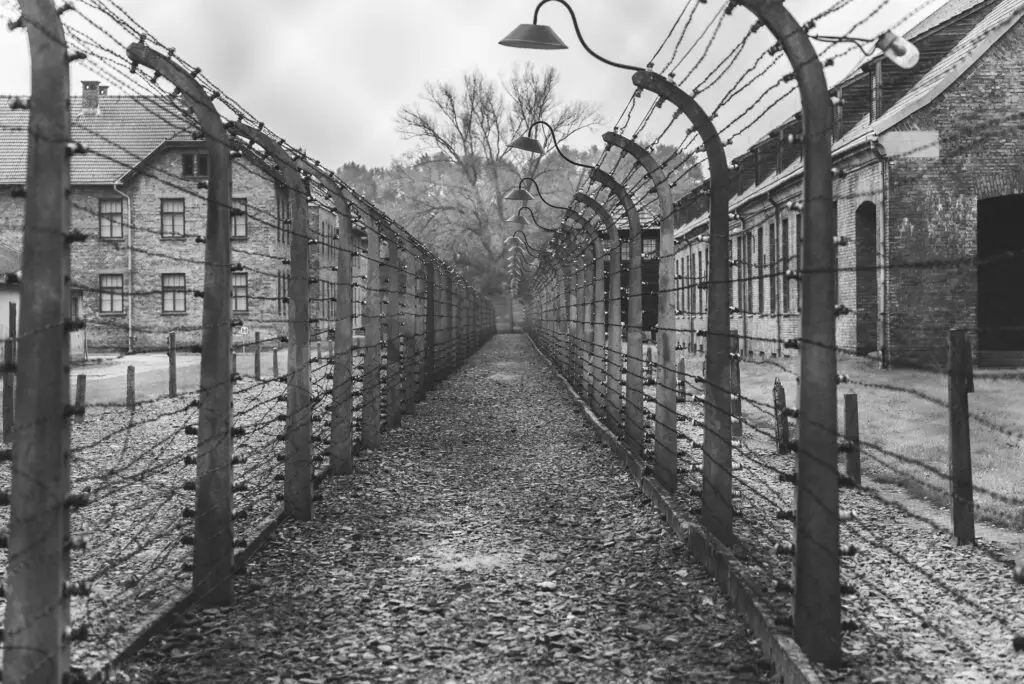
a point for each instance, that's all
(491, 538)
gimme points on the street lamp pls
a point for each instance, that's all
(522, 194)
(518, 219)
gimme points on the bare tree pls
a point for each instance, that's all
(465, 167)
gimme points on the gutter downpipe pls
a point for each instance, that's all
(131, 252)
(879, 151)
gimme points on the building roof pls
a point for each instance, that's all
(124, 131)
(936, 81)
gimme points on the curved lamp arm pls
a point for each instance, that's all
(554, 140)
(539, 193)
(576, 26)
(534, 217)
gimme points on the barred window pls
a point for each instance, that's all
(172, 218)
(111, 219)
(112, 293)
(173, 289)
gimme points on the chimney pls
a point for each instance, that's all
(91, 97)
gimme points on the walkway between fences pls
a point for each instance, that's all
(489, 538)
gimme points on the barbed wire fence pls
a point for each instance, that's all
(693, 429)
(117, 514)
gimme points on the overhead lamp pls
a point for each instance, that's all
(533, 37)
(527, 144)
(519, 195)
(517, 219)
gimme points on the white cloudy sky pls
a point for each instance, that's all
(330, 75)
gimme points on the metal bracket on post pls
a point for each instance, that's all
(665, 432)
(634, 431)
(716, 503)
(298, 465)
(213, 556)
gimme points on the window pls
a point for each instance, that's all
(748, 282)
(284, 216)
(785, 265)
(624, 253)
(239, 292)
(799, 258)
(760, 270)
(195, 165)
(650, 248)
(773, 292)
(111, 219)
(112, 293)
(239, 218)
(282, 293)
(173, 288)
(700, 283)
(172, 218)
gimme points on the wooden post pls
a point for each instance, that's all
(38, 610)
(130, 390)
(234, 363)
(8, 398)
(852, 446)
(681, 379)
(394, 325)
(172, 365)
(371, 357)
(961, 487)
(275, 367)
(781, 417)
(735, 388)
(213, 566)
(80, 398)
(256, 358)
(411, 336)
(318, 354)
(341, 462)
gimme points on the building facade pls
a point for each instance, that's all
(927, 185)
(139, 196)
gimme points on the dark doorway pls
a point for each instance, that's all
(1001, 273)
(867, 281)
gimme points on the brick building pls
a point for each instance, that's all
(928, 182)
(138, 195)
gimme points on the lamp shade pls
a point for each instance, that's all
(533, 37)
(516, 219)
(899, 50)
(527, 144)
(519, 195)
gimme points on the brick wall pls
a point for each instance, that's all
(933, 202)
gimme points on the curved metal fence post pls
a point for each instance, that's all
(213, 556)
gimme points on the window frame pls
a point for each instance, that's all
(192, 159)
(244, 286)
(164, 214)
(105, 290)
(119, 214)
(244, 216)
(174, 291)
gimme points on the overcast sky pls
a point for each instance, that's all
(330, 75)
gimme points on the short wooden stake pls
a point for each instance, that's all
(256, 358)
(234, 362)
(852, 446)
(8, 397)
(275, 367)
(131, 388)
(961, 487)
(781, 419)
(80, 398)
(681, 379)
(172, 366)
